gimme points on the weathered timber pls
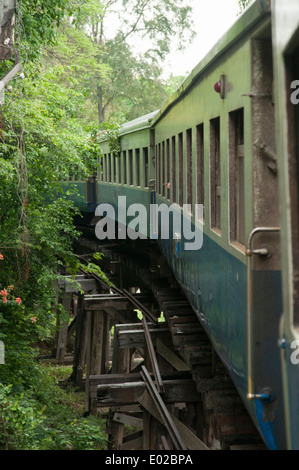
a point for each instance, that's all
(136, 339)
(126, 393)
(133, 441)
(80, 344)
(190, 439)
(86, 284)
(88, 359)
(63, 329)
(129, 420)
(171, 357)
(102, 301)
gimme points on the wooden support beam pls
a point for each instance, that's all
(86, 284)
(133, 441)
(171, 357)
(102, 301)
(136, 339)
(80, 344)
(190, 439)
(129, 392)
(63, 329)
(88, 359)
(129, 420)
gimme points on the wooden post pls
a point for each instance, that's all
(88, 358)
(80, 344)
(62, 338)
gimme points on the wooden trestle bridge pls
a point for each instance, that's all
(162, 378)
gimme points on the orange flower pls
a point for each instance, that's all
(3, 292)
(18, 300)
(1, 256)
(4, 300)
(33, 319)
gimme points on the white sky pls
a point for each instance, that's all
(212, 18)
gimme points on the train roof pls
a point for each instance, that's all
(138, 124)
(248, 20)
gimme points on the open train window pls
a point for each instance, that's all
(215, 173)
(163, 170)
(130, 164)
(189, 166)
(237, 176)
(200, 165)
(146, 167)
(125, 167)
(158, 165)
(118, 159)
(109, 167)
(114, 167)
(167, 168)
(137, 155)
(173, 175)
(180, 173)
(105, 175)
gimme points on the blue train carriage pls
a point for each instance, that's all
(212, 149)
(286, 74)
(127, 176)
(217, 134)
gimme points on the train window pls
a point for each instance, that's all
(237, 179)
(163, 172)
(146, 168)
(114, 167)
(181, 183)
(109, 167)
(167, 188)
(173, 157)
(215, 173)
(200, 164)
(158, 164)
(137, 156)
(130, 166)
(189, 166)
(105, 168)
(118, 159)
(125, 167)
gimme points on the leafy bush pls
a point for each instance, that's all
(48, 418)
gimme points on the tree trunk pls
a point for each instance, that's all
(101, 109)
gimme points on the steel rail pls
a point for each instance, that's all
(153, 357)
(165, 415)
(124, 294)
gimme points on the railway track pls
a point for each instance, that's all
(222, 419)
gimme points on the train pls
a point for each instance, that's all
(213, 177)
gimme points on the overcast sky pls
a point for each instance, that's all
(212, 18)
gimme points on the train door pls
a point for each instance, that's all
(286, 73)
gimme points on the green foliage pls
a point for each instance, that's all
(47, 418)
(37, 22)
(111, 134)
